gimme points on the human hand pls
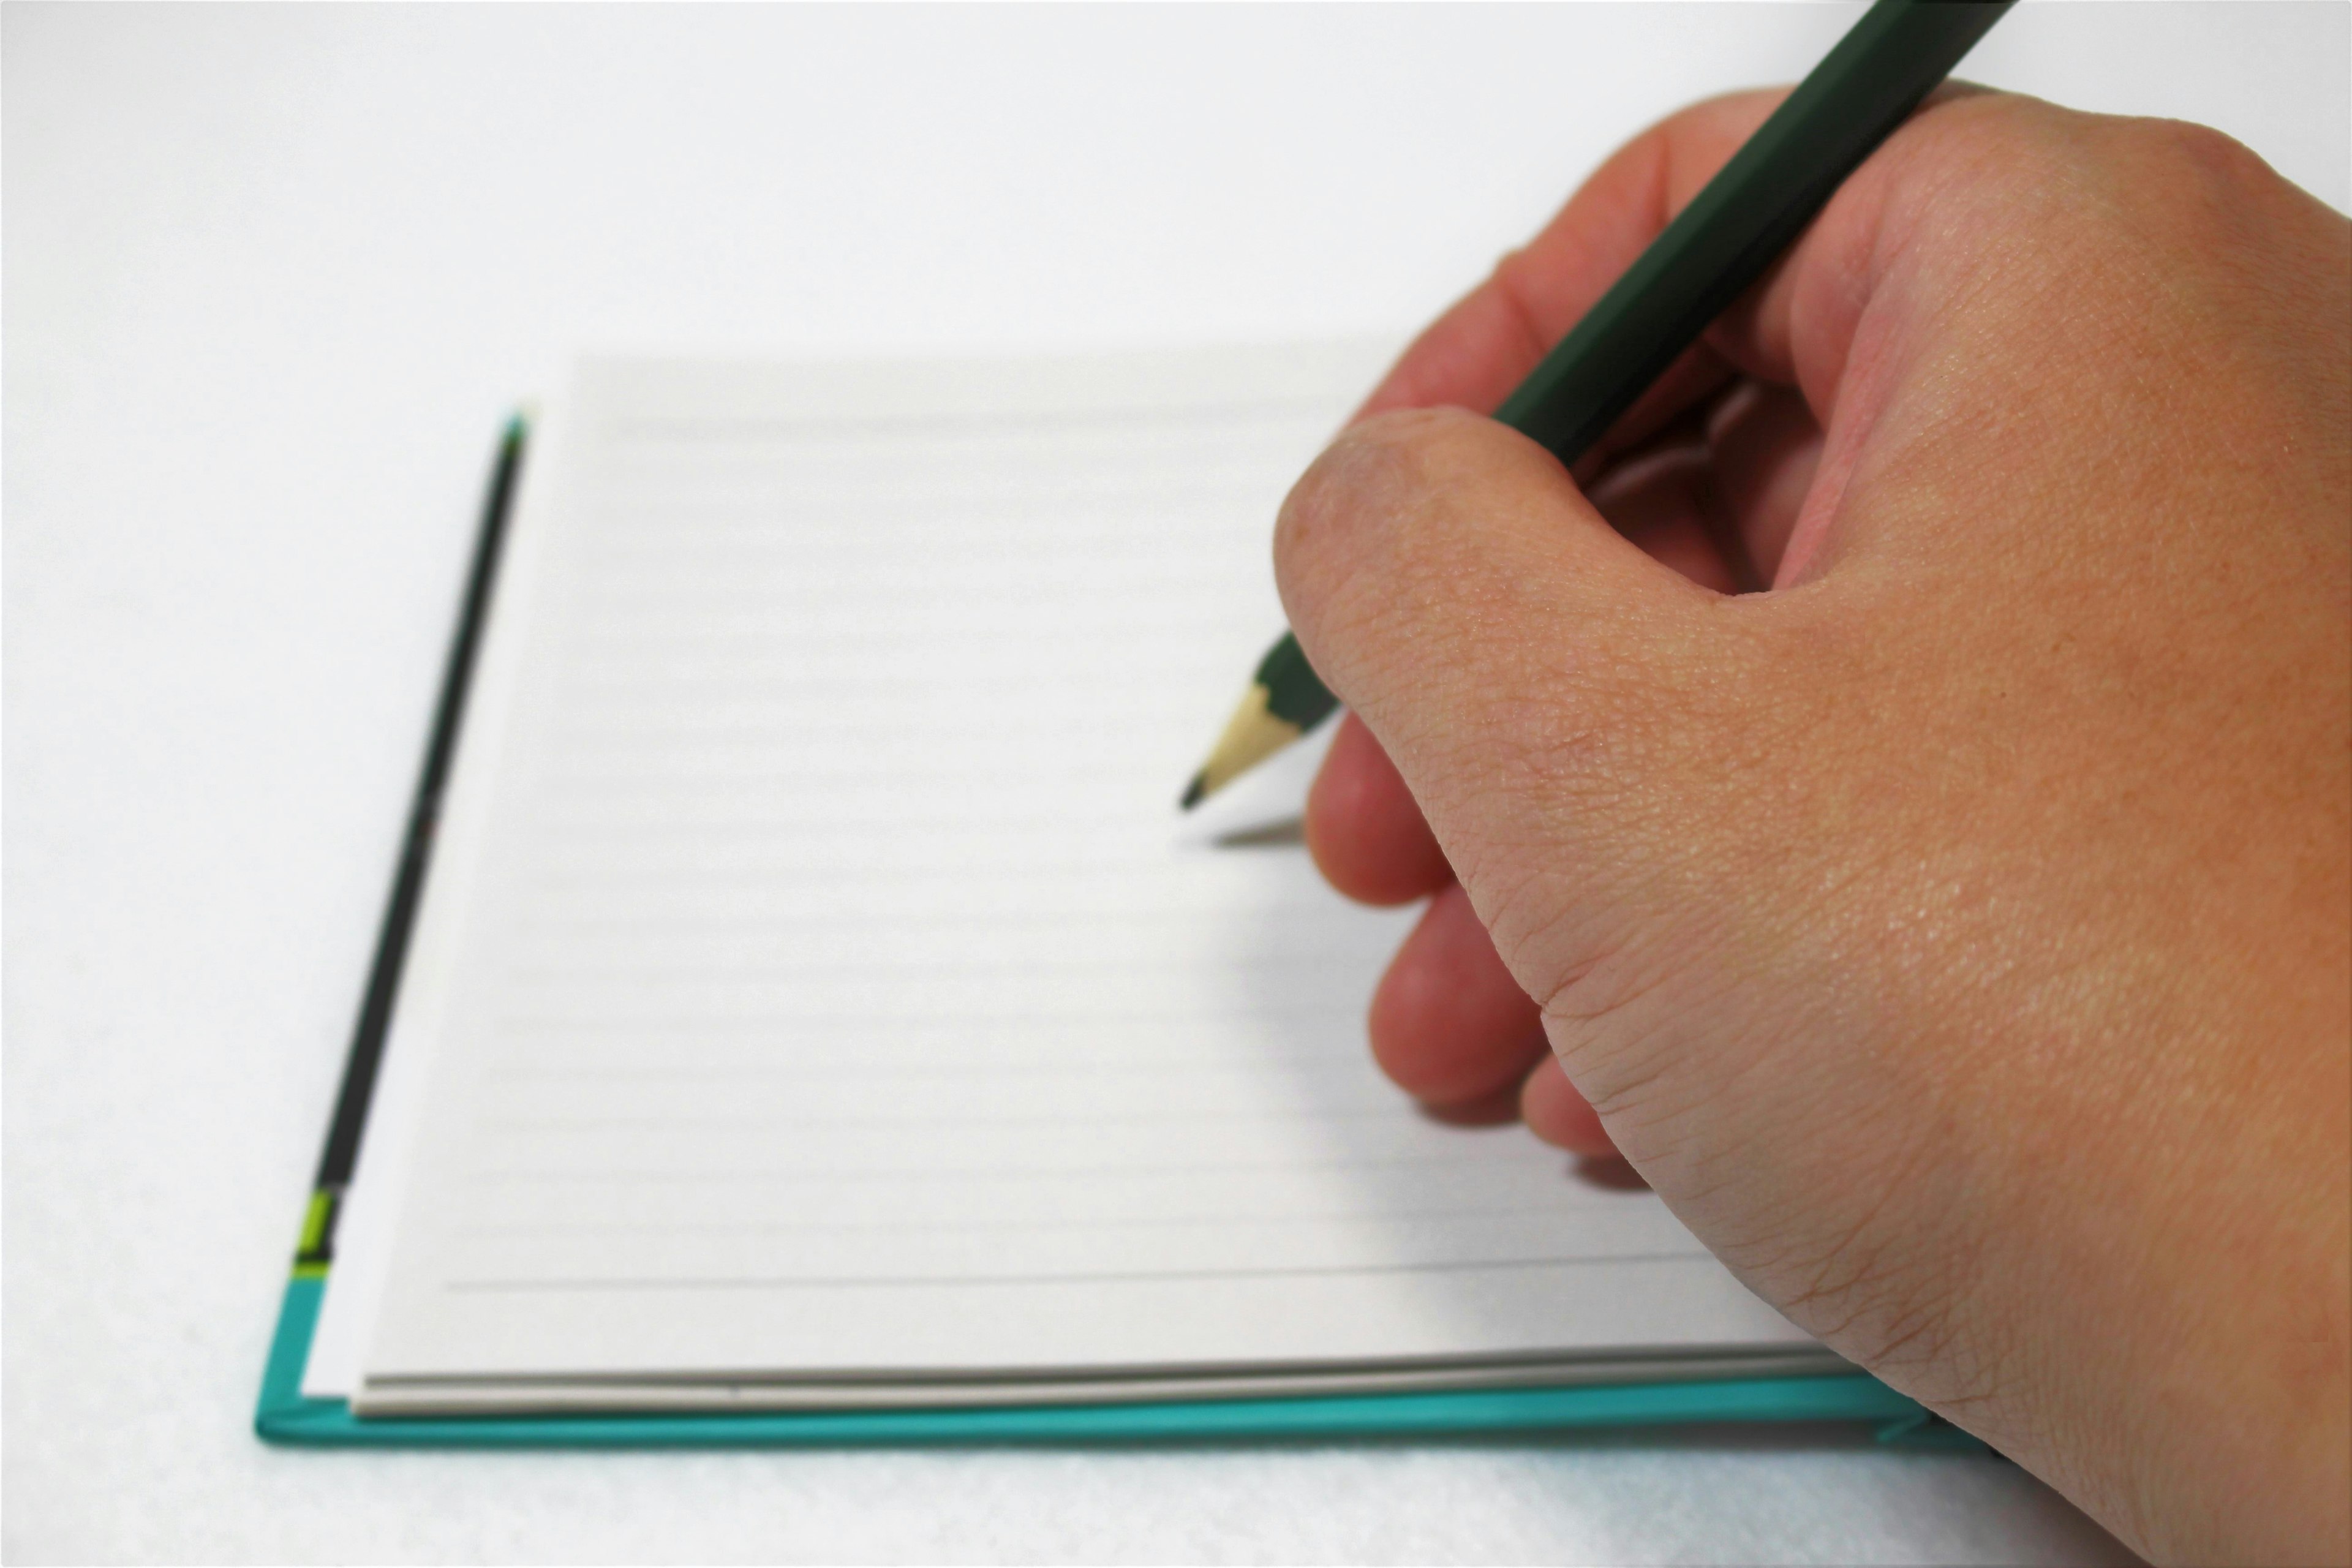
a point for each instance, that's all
(1958, 935)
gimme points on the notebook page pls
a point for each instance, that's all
(831, 986)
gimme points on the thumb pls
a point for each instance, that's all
(1554, 699)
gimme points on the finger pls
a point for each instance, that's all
(1888, 290)
(1363, 827)
(1558, 1113)
(1524, 667)
(1763, 446)
(1366, 834)
(1889, 249)
(1474, 354)
(1797, 327)
(1449, 1024)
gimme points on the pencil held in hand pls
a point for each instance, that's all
(1285, 701)
(1736, 226)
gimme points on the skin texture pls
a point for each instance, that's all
(1899, 792)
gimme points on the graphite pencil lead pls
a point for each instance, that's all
(1253, 734)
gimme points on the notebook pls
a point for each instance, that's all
(805, 1015)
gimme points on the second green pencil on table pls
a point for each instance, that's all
(1736, 226)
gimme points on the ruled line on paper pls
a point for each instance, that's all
(823, 845)
(763, 871)
(1105, 1277)
(1455, 1159)
(744, 519)
(895, 429)
(814, 1019)
(1032, 967)
(784, 923)
(1194, 1118)
(1223, 1218)
(911, 1075)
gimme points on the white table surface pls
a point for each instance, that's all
(273, 276)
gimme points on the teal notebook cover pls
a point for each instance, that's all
(286, 1415)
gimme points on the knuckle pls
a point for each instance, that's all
(1351, 514)
(2190, 157)
(2000, 162)
(2189, 185)
(2004, 130)
(1973, 165)
(1974, 171)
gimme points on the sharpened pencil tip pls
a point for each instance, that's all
(1195, 792)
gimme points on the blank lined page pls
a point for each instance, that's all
(819, 979)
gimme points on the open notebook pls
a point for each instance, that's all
(816, 1003)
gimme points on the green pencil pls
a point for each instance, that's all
(1736, 227)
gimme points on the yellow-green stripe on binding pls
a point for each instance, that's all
(311, 1254)
(314, 1223)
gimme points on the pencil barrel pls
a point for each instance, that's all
(1741, 221)
(1294, 692)
(1713, 251)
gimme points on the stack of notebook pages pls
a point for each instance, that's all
(816, 1001)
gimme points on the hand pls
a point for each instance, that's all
(1958, 934)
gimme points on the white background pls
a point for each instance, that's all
(272, 279)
